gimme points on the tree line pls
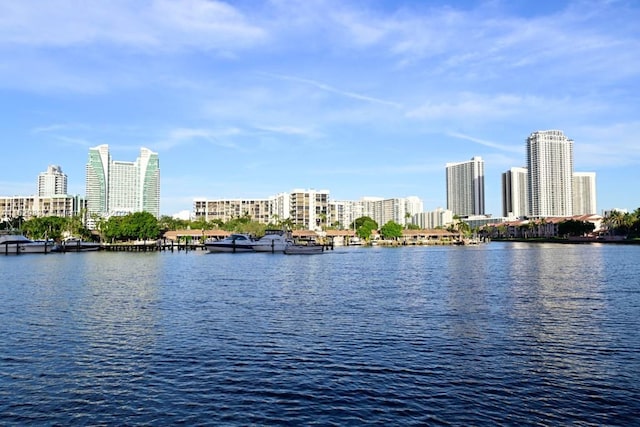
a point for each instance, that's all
(144, 226)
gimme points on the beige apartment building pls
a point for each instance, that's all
(29, 207)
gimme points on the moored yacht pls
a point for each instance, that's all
(304, 248)
(273, 241)
(234, 243)
(18, 244)
(74, 244)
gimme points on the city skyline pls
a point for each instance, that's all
(250, 98)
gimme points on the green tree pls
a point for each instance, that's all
(407, 219)
(364, 227)
(74, 226)
(144, 226)
(14, 223)
(167, 223)
(50, 227)
(391, 230)
(574, 227)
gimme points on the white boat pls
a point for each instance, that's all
(234, 243)
(309, 248)
(273, 241)
(73, 244)
(18, 244)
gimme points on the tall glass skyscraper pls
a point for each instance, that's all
(550, 166)
(118, 187)
(149, 167)
(465, 187)
(97, 180)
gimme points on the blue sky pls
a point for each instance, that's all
(247, 99)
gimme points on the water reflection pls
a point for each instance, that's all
(534, 335)
(558, 305)
(468, 272)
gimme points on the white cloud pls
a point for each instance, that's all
(185, 136)
(289, 130)
(491, 144)
(614, 145)
(347, 94)
(470, 106)
(145, 25)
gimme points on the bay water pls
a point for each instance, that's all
(494, 334)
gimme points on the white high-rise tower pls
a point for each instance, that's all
(584, 193)
(52, 182)
(550, 166)
(465, 187)
(515, 193)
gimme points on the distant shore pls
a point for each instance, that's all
(574, 240)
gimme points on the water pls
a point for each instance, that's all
(498, 334)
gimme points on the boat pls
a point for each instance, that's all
(234, 243)
(273, 241)
(18, 244)
(73, 244)
(308, 248)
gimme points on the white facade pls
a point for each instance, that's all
(307, 209)
(123, 195)
(439, 218)
(280, 207)
(310, 208)
(515, 193)
(52, 182)
(550, 166)
(399, 210)
(343, 213)
(584, 193)
(465, 187)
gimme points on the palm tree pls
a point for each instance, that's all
(612, 221)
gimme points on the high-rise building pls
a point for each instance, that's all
(53, 182)
(465, 187)
(433, 219)
(584, 193)
(310, 208)
(149, 168)
(550, 166)
(227, 209)
(399, 210)
(118, 188)
(343, 213)
(97, 180)
(515, 193)
(28, 207)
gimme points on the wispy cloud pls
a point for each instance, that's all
(347, 94)
(185, 136)
(57, 127)
(146, 25)
(613, 145)
(289, 130)
(491, 144)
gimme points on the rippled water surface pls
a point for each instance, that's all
(504, 333)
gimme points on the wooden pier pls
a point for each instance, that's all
(159, 246)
